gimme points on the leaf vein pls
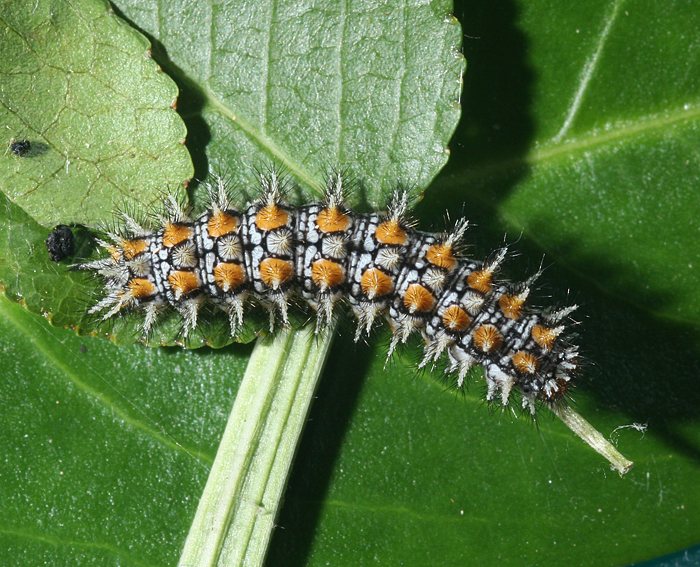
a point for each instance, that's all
(591, 140)
(55, 356)
(278, 155)
(339, 73)
(400, 94)
(58, 541)
(587, 73)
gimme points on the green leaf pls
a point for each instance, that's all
(106, 448)
(79, 84)
(393, 468)
(372, 87)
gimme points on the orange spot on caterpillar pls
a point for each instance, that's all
(455, 318)
(183, 283)
(326, 274)
(221, 224)
(271, 217)
(228, 276)
(525, 362)
(480, 280)
(141, 288)
(131, 249)
(390, 232)
(487, 338)
(441, 255)
(511, 305)
(376, 283)
(274, 272)
(175, 234)
(332, 219)
(544, 336)
(418, 299)
(114, 252)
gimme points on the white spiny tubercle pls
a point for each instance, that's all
(464, 367)
(524, 294)
(279, 303)
(175, 211)
(185, 256)
(491, 388)
(431, 351)
(271, 189)
(133, 227)
(498, 380)
(389, 258)
(151, 313)
(105, 302)
(435, 348)
(366, 316)
(457, 233)
(401, 333)
(280, 242)
(334, 193)
(97, 265)
(529, 282)
(190, 310)
(114, 237)
(435, 278)
(139, 266)
(119, 302)
(325, 311)
(233, 307)
(494, 264)
(506, 387)
(556, 316)
(218, 194)
(398, 205)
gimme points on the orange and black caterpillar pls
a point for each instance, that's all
(326, 254)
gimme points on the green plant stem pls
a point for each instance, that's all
(590, 435)
(236, 513)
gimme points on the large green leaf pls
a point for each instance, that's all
(588, 144)
(394, 469)
(106, 448)
(371, 86)
(80, 85)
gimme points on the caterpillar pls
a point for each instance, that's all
(326, 254)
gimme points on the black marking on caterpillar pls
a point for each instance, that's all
(326, 254)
